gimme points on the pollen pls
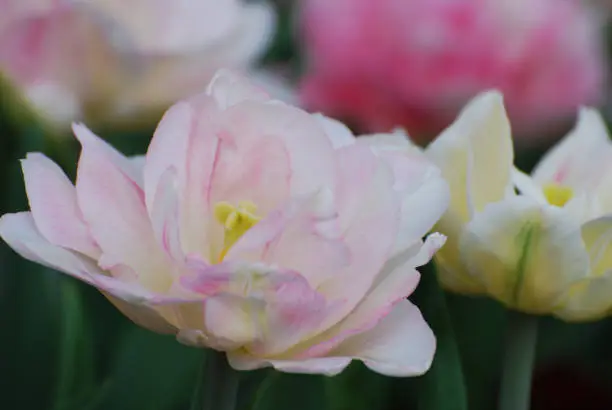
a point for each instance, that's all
(557, 195)
(236, 220)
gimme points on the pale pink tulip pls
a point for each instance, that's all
(125, 61)
(250, 227)
(416, 63)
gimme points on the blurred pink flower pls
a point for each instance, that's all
(415, 63)
(116, 60)
(250, 227)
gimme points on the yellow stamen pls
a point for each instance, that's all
(556, 194)
(236, 220)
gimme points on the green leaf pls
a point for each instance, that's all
(358, 388)
(151, 372)
(76, 370)
(479, 325)
(443, 386)
(283, 391)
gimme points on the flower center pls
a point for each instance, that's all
(556, 194)
(236, 220)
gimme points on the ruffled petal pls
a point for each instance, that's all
(328, 366)
(266, 310)
(369, 211)
(112, 202)
(396, 281)
(20, 232)
(339, 134)
(400, 345)
(303, 235)
(54, 205)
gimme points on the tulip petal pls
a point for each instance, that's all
(303, 235)
(266, 309)
(418, 182)
(339, 134)
(113, 206)
(20, 232)
(524, 253)
(328, 366)
(527, 186)
(253, 34)
(168, 148)
(400, 345)
(304, 140)
(54, 205)
(581, 157)
(229, 89)
(366, 203)
(589, 298)
(475, 155)
(165, 216)
(396, 281)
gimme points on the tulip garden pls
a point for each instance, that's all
(305, 204)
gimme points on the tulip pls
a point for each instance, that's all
(250, 227)
(121, 63)
(388, 63)
(539, 244)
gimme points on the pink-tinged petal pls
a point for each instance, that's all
(267, 310)
(255, 31)
(396, 281)
(168, 147)
(264, 174)
(20, 232)
(138, 161)
(339, 134)
(54, 206)
(276, 83)
(165, 216)
(228, 89)
(303, 139)
(401, 345)
(328, 366)
(366, 203)
(425, 194)
(303, 236)
(233, 321)
(142, 315)
(87, 138)
(418, 182)
(204, 149)
(113, 206)
(59, 52)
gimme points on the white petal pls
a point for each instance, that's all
(475, 155)
(524, 253)
(401, 345)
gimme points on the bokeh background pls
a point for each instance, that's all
(376, 64)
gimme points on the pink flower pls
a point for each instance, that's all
(120, 61)
(388, 63)
(250, 227)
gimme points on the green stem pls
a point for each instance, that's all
(217, 385)
(519, 357)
